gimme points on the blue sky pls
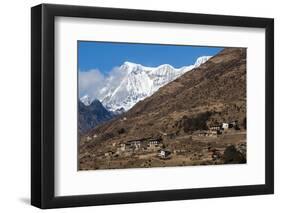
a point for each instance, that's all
(106, 55)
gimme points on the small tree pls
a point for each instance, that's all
(199, 122)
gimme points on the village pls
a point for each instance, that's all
(219, 144)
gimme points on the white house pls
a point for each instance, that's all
(164, 153)
(225, 125)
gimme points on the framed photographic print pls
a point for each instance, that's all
(139, 106)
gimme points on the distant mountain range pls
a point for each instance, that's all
(91, 115)
(138, 83)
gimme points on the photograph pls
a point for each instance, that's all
(160, 105)
(134, 105)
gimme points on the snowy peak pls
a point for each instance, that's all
(201, 60)
(133, 67)
(86, 100)
(129, 67)
(130, 64)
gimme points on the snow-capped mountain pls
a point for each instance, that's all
(86, 100)
(201, 60)
(137, 83)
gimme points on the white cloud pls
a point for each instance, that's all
(90, 83)
(115, 76)
(94, 83)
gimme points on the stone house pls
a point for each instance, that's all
(144, 144)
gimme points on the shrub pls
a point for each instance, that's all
(232, 155)
(198, 122)
(121, 131)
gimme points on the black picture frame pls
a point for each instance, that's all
(43, 102)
